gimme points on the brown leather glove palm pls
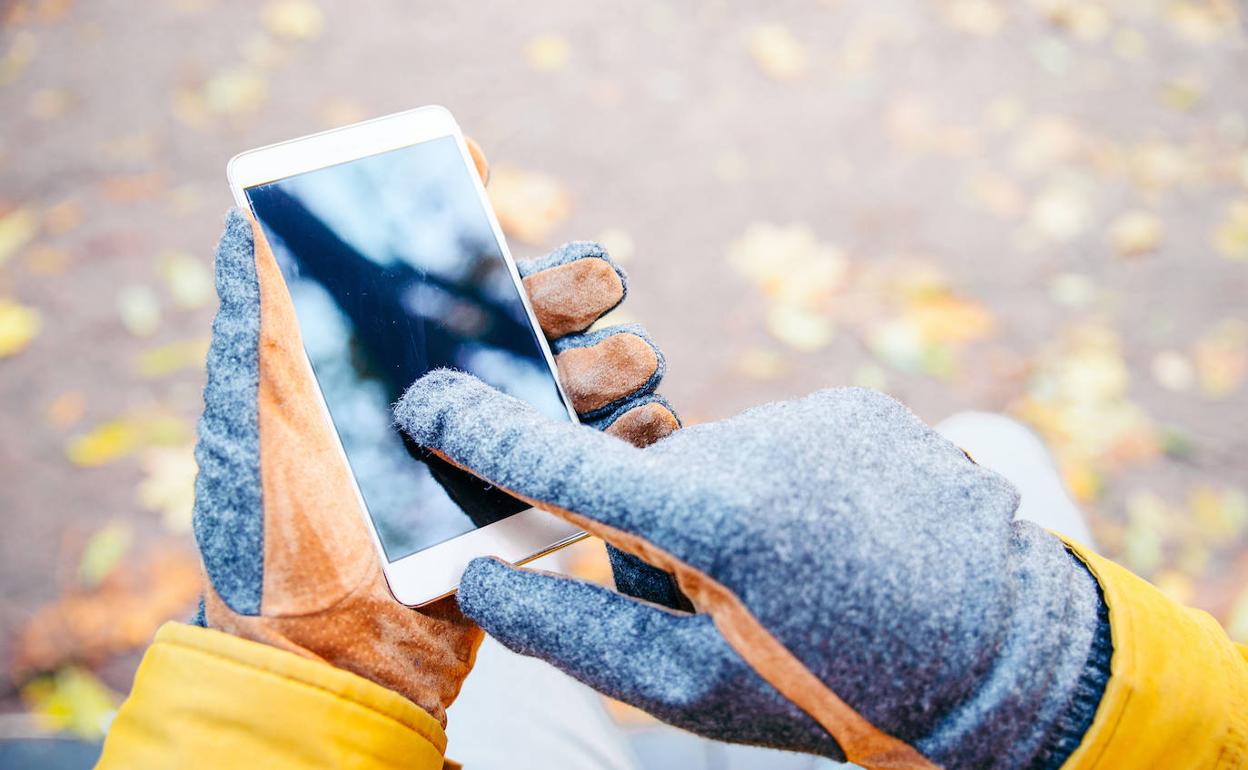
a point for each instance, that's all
(289, 561)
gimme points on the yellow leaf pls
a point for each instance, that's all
(947, 318)
(1220, 515)
(1148, 519)
(799, 328)
(618, 243)
(139, 309)
(1073, 290)
(17, 228)
(978, 17)
(1173, 371)
(19, 325)
(1135, 233)
(166, 359)
(188, 280)
(998, 194)
(120, 437)
(168, 487)
(72, 700)
(50, 103)
(22, 48)
(1181, 95)
(1062, 210)
(530, 205)
(1237, 621)
(293, 19)
(548, 53)
(761, 364)
(1230, 239)
(235, 91)
(103, 552)
(777, 52)
(1221, 356)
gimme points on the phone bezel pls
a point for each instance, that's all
(433, 573)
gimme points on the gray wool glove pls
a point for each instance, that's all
(861, 588)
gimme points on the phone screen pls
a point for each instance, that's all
(394, 271)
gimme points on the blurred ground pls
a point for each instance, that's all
(1034, 207)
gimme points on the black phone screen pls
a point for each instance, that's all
(394, 271)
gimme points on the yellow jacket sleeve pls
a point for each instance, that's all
(205, 699)
(1177, 696)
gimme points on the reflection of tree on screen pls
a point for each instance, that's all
(403, 322)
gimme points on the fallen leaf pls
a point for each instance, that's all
(172, 357)
(66, 409)
(1181, 94)
(529, 205)
(47, 260)
(1220, 515)
(618, 243)
(103, 553)
(168, 486)
(978, 17)
(1200, 22)
(777, 52)
(62, 217)
(127, 188)
(235, 91)
(139, 309)
(1087, 21)
(1045, 141)
(1148, 519)
(72, 700)
(870, 376)
(1157, 165)
(1173, 371)
(548, 53)
(1230, 238)
(293, 19)
(19, 324)
(125, 435)
(998, 194)
(1221, 356)
(342, 112)
(1130, 44)
(1237, 620)
(760, 364)
(1063, 209)
(1073, 290)
(93, 625)
(22, 49)
(17, 228)
(188, 280)
(799, 328)
(1077, 399)
(50, 103)
(1135, 233)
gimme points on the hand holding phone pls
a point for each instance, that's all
(290, 561)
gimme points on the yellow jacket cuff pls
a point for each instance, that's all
(203, 698)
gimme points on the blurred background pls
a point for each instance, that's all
(1035, 207)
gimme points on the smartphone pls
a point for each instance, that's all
(396, 266)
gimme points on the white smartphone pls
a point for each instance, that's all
(396, 266)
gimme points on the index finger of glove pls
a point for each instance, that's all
(559, 466)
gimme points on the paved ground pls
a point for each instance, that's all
(1036, 207)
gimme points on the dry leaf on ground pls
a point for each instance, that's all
(119, 615)
(530, 205)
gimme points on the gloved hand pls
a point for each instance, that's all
(861, 588)
(289, 562)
